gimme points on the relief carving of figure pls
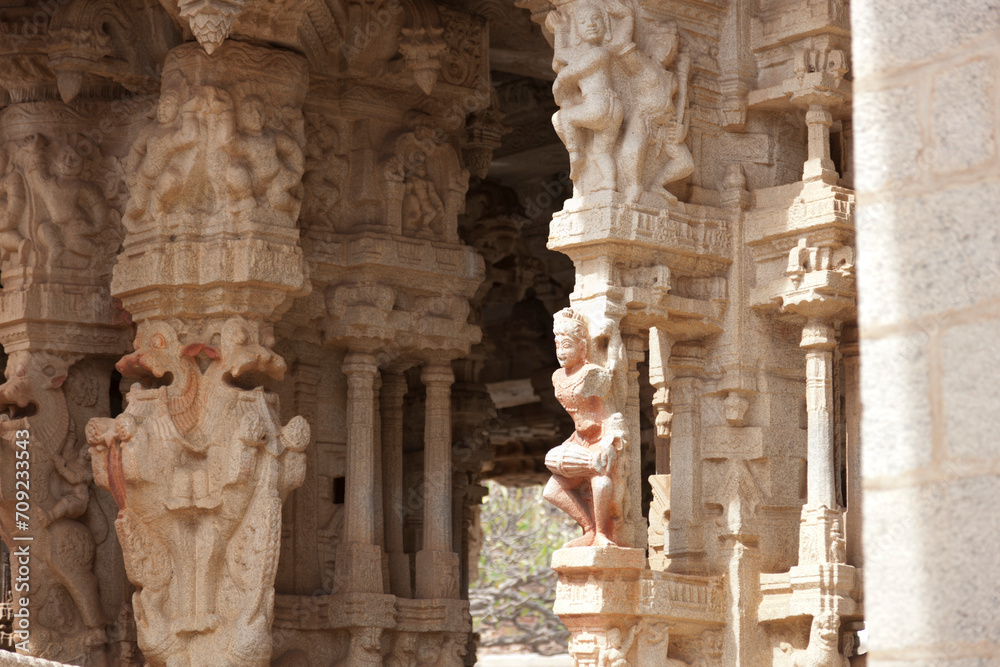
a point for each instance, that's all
(325, 171)
(77, 210)
(656, 126)
(434, 182)
(585, 480)
(616, 652)
(54, 213)
(32, 401)
(622, 109)
(13, 199)
(823, 650)
(591, 112)
(216, 152)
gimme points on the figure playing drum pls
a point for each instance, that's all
(584, 466)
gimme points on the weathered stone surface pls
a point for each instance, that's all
(338, 314)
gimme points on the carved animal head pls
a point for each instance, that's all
(825, 631)
(156, 345)
(246, 350)
(28, 373)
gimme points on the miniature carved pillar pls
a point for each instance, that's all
(660, 376)
(437, 565)
(360, 559)
(819, 339)
(635, 524)
(818, 120)
(821, 537)
(685, 459)
(393, 391)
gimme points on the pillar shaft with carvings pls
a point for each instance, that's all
(199, 463)
(61, 334)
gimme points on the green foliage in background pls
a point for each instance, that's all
(513, 595)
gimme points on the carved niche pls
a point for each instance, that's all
(425, 181)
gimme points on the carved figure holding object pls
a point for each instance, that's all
(585, 466)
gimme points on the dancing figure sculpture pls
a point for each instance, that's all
(585, 480)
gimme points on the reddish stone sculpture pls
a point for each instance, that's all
(584, 468)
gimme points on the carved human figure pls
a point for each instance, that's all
(325, 171)
(13, 199)
(32, 399)
(590, 111)
(615, 653)
(823, 650)
(267, 164)
(588, 460)
(423, 205)
(77, 213)
(148, 168)
(655, 124)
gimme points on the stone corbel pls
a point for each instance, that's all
(422, 49)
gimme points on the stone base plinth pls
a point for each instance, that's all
(400, 584)
(808, 590)
(576, 559)
(359, 568)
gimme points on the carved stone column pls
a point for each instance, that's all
(61, 334)
(393, 391)
(359, 563)
(199, 463)
(437, 565)
(819, 339)
(683, 542)
(660, 376)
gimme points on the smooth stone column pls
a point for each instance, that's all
(819, 339)
(437, 565)
(360, 560)
(393, 391)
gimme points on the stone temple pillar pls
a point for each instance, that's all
(437, 564)
(360, 558)
(928, 192)
(199, 464)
